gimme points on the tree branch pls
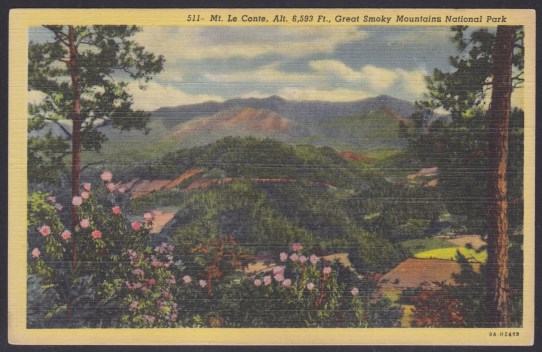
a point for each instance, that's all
(90, 164)
(81, 40)
(62, 40)
(68, 134)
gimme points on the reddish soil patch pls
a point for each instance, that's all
(415, 272)
(160, 219)
(353, 156)
(183, 177)
(127, 186)
(398, 117)
(241, 119)
(428, 171)
(342, 258)
(146, 187)
(207, 183)
(432, 183)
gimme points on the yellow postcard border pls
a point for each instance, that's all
(22, 19)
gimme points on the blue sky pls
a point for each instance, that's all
(299, 63)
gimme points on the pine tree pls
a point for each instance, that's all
(81, 71)
(471, 149)
(497, 303)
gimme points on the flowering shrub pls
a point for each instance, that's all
(311, 292)
(89, 257)
(102, 272)
(150, 289)
(299, 291)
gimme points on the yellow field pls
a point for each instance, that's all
(450, 254)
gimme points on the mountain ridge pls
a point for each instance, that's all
(298, 111)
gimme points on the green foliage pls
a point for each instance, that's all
(300, 203)
(236, 209)
(251, 157)
(459, 148)
(104, 56)
(45, 158)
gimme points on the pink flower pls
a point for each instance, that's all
(302, 259)
(314, 259)
(106, 176)
(77, 201)
(85, 195)
(147, 217)
(87, 186)
(166, 294)
(59, 206)
(149, 318)
(257, 282)
(354, 291)
(122, 190)
(326, 270)
(136, 225)
(279, 277)
(171, 281)
(96, 234)
(287, 283)
(111, 187)
(84, 223)
(283, 257)
(202, 283)
(132, 254)
(151, 282)
(45, 230)
(294, 257)
(278, 270)
(51, 199)
(115, 210)
(66, 235)
(138, 272)
(187, 279)
(297, 246)
(267, 280)
(155, 263)
(36, 253)
(133, 305)
(310, 286)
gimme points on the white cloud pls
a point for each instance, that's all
(255, 94)
(326, 75)
(335, 68)
(156, 96)
(196, 43)
(35, 96)
(378, 78)
(265, 74)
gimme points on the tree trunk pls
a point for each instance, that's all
(76, 131)
(497, 303)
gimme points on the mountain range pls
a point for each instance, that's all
(299, 111)
(362, 126)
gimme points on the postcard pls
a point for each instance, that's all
(271, 176)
